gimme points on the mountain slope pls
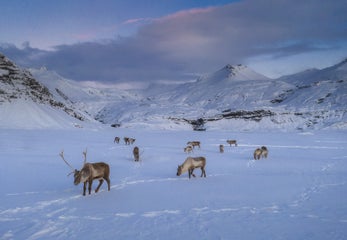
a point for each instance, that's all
(88, 96)
(26, 103)
(235, 87)
(238, 97)
(234, 97)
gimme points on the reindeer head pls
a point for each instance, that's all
(79, 175)
(179, 170)
(82, 175)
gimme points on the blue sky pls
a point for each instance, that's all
(145, 41)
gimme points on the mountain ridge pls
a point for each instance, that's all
(234, 96)
(23, 98)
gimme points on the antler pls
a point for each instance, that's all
(85, 155)
(62, 156)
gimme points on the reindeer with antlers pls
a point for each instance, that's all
(89, 172)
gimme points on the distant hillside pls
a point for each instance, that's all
(233, 97)
(25, 102)
(238, 97)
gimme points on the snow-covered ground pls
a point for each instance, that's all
(298, 192)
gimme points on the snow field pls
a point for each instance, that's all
(299, 192)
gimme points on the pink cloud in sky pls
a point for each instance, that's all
(137, 20)
(187, 13)
(204, 39)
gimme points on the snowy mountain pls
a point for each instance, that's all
(237, 97)
(88, 96)
(233, 97)
(26, 103)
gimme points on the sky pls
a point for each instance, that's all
(142, 41)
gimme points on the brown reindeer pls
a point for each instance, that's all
(190, 164)
(132, 140)
(221, 148)
(116, 140)
(194, 143)
(230, 142)
(136, 154)
(126, 140)
(264, 152)
(257, 154)
(89, 172)
(188, 149)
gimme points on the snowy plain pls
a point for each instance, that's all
(298, 192)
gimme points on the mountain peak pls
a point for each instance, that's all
(344, 61)
(342, 65)
(236, 73)
(234, 69)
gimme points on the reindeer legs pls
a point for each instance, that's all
(100, 183)
(190, 172)
(108, 183)
(84, 188)
(203, 173)
(89, 186)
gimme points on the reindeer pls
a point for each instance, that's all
(264, 152)
(221, 148)
(230, 142)
(260, 152)
(194, 143)
(126, 140)
(136, 153)
(190, 164)
(188, 149)
(90, 172)
(129, 140)
(257, 154)
(116, 139)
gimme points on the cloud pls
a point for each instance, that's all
(200, 40)
(137, 21)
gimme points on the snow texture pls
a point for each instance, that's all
(298, 192)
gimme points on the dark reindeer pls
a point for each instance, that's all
(136, 153)
(89, 172)
(230, 142)
(221, 148)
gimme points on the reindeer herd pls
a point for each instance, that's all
(101, 171)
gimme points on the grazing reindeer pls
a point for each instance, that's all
(188, 149)
(190, 164)
(221, 148)
(131, 140)
(116, 139)
(194, 143)
(230, 142)
(264, 152)
(90, 172)
(126, 140)
(136, 153)
(257, 154)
